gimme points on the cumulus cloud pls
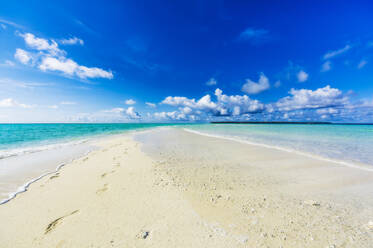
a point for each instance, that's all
(225, 105)
(251, 87)
(302, 76)
(132, 113)
(66, 66)
(10, 102)
(231, 103)
(71, 68)
(71, 41)
(326, 66)
(174, 116)
(150, 104)
(42, 44)
(312, 99)
(22, 56)
(211, 82)
(130, 102)
(332, 54)
(52, 58)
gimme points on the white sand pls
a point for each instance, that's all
(184, 190)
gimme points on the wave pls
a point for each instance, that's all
(25, 186)
(309, 155)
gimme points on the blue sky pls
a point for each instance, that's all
(165, 61)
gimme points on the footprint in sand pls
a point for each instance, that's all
(55, 176)
(51, 226)
(102, 190)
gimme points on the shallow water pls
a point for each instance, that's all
(349, 143)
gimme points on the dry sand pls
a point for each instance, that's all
(170, 188)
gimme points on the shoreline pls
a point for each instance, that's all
(77, 141)
(355, 165)
(166, 187)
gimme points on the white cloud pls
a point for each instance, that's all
(132, 113)
(302, 76)
(115, 110)
(93, 72)
(211, 81)
(42, 44)
(66, 66)
(152, 105)
(277, 84)
(247, 105)
(22, 56)
(53, 107)
(362, 64)
(309, 99)
(251, 87)
(70, 67)
(130, 102)
(327, 66)
(51, 58)
(67, 103)
(327, 111)
(203, 103)
(10, 23)
(332, 54)
(174, 116)
(9, 63)
(22, 84)
(72, 41)
(224, 106)
(9, 102)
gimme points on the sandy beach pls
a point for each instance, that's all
(171, 188)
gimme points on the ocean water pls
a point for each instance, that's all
(351, 145)
(30, 151)
(17, 139)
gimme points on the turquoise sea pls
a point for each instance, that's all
(351, 144)
(16, 139)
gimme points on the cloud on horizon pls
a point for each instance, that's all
(301, 104)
